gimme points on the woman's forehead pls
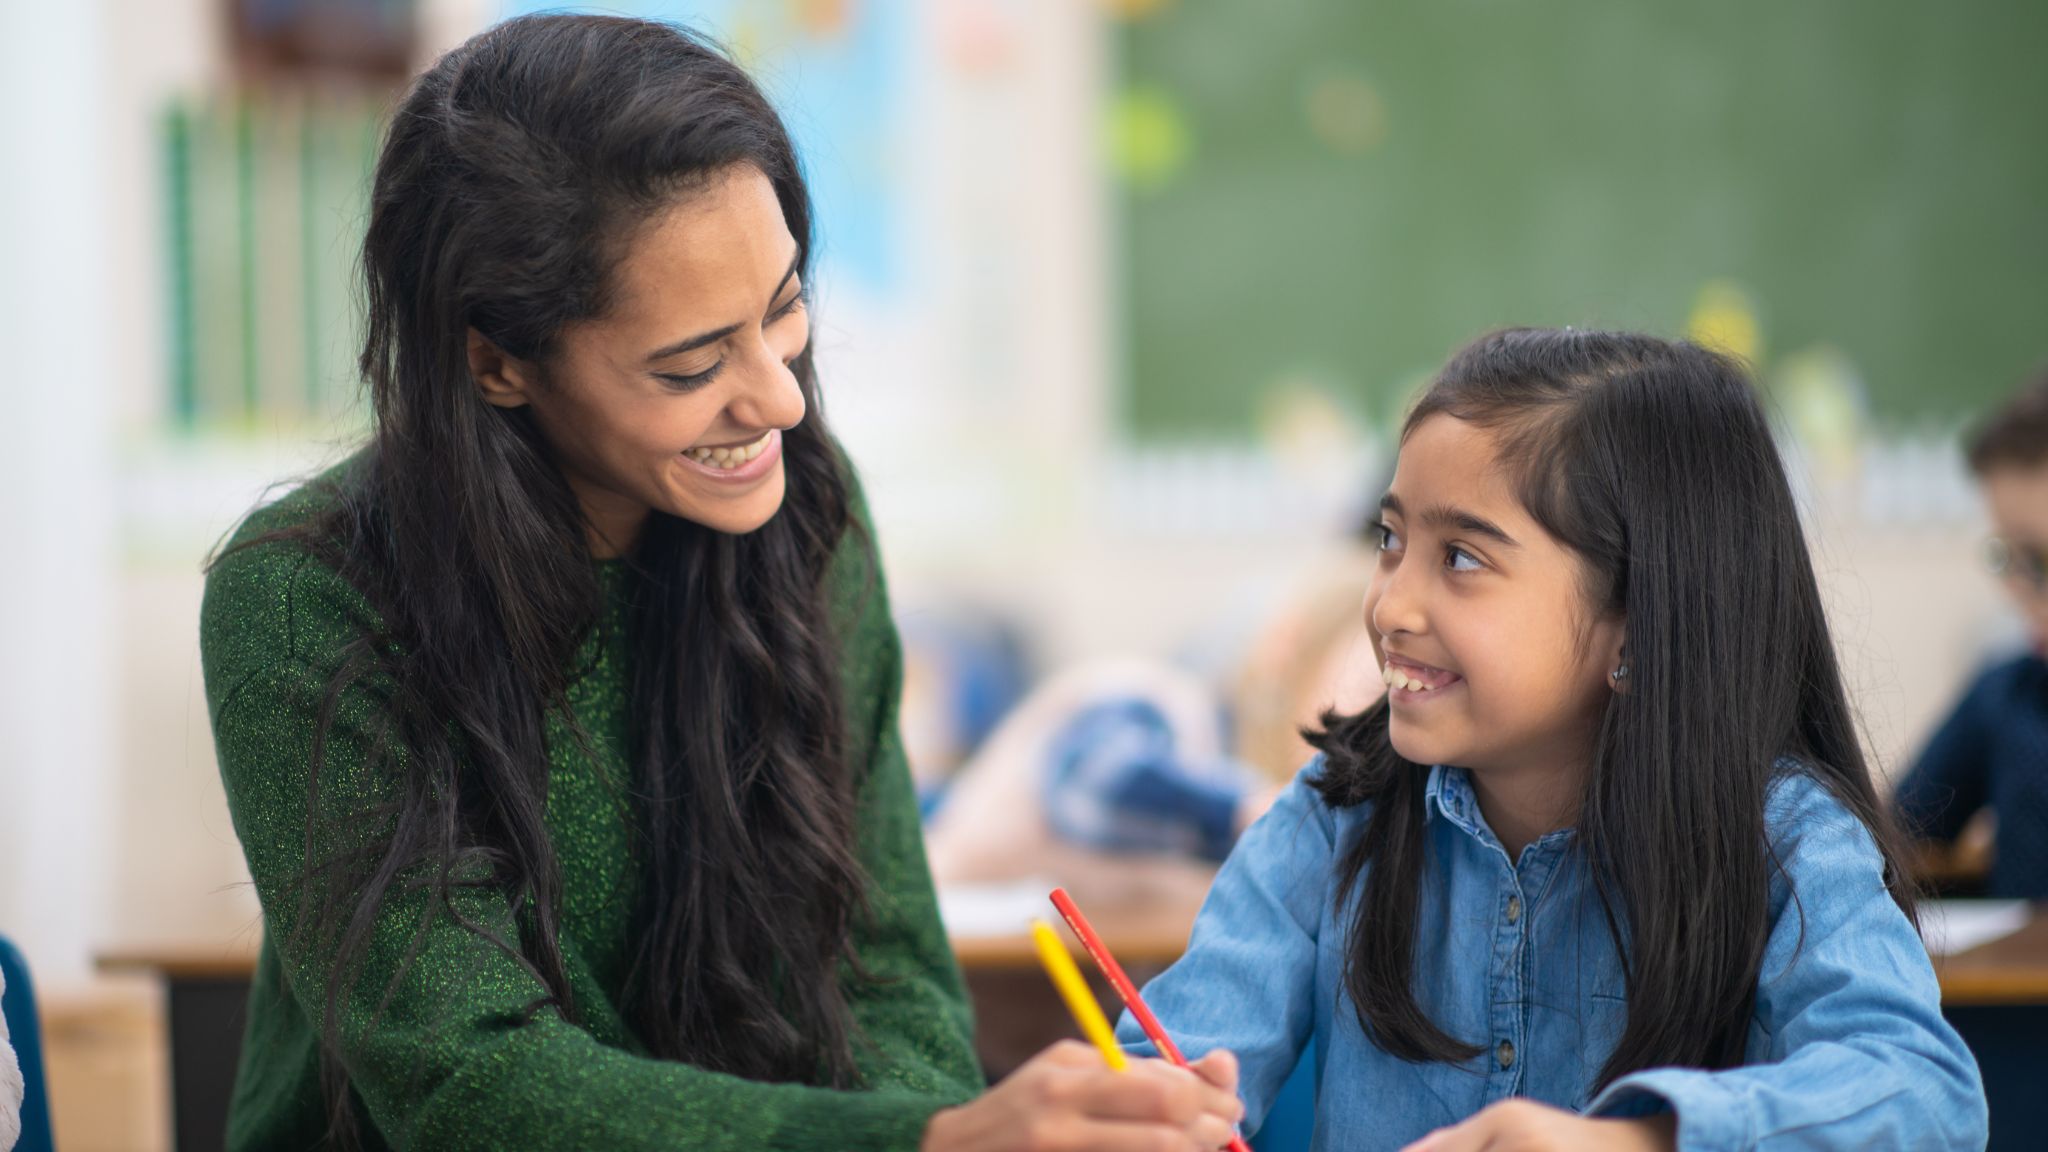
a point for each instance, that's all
(711, 257)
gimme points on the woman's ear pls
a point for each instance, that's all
(503, 380)
(1618, 671)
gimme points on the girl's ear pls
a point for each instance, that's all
(503, 380)
(1606, 649)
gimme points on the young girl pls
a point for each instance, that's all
(1605, 869)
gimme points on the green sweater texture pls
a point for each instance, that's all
(452, 1059)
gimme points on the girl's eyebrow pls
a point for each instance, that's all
(1449, 516)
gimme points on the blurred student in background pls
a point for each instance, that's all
(1992, 751)
(1138, 775)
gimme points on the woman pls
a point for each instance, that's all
(558, 724)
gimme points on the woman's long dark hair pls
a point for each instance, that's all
(1653, 462)
(512, 177)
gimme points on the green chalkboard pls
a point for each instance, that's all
(1342, 191)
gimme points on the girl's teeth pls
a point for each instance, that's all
(1395, 678)
(729, 457)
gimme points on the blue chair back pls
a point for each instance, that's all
(26, 1035)
(1291, 1121)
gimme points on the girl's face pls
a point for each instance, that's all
(676, 399)
(1483, 613)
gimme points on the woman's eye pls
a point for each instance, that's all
(796, 304)
(690, 383)
(1459, 560)
(1390, 541)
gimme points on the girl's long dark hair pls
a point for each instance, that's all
(1654, 463)
(512, 177)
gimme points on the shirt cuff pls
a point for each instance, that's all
(1710, 1119)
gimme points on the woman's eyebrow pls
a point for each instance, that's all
(1450, 516)
(692, 343)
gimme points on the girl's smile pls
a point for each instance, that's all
(1409, 682)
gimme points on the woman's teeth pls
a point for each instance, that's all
(729, 457)
(1395, 678)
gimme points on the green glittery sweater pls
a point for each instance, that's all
(452, 1061)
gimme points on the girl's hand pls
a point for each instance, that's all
(1066, 1099)
(1526, 1126)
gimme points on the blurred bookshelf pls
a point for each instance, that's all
(264, 198)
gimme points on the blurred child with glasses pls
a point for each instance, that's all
(1993, 748)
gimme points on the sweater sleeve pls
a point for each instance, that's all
(914, 1016)
(436, 1032)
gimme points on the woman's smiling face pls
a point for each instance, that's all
(1484, 612)
(674, 401)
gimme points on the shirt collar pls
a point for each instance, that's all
(1449, 794)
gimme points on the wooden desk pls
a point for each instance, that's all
(1997, 993)
(1017, 1012)
(2011, 970)
(206, 997)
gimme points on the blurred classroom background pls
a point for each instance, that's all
(1119, 302)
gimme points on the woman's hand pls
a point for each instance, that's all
(1526, 1126)
(1066, 1099)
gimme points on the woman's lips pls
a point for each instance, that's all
(739, 466)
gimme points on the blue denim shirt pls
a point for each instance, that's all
(1847, 1049)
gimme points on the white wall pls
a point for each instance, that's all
(57, 713)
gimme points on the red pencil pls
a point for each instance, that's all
(1124, 988)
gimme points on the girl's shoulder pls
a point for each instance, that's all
(1301, 806)
(1820, 848)
(1798, 802)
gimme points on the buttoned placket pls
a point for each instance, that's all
(1520, 887)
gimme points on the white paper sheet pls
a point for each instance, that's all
(979, 911)
(1952, 926)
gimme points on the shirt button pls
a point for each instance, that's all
(1506, 1054)
(1514, 909)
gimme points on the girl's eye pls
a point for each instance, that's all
(1459, 560)
(1390, 541)
(692, 382)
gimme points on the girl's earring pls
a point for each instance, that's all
(1619, 675)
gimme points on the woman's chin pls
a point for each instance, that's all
(735, 514)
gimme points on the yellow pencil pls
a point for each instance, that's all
(1059, 964)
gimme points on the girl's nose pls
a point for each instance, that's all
(1397, 608)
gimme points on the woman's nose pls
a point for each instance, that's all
(772, 398)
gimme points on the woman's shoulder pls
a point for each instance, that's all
(854, 577)
(273, 596)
